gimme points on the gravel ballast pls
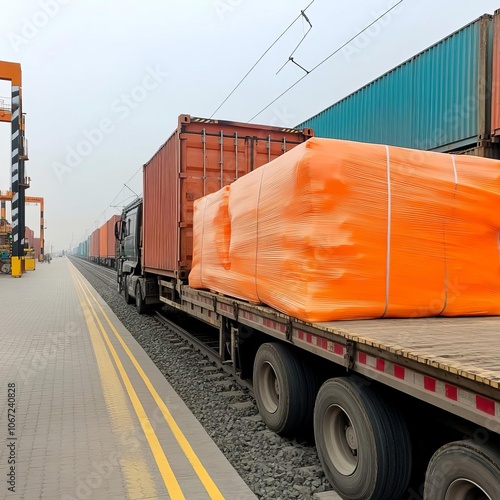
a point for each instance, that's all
(272, 466)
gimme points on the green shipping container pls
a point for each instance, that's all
(438, 100)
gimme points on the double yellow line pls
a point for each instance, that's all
(171, 483)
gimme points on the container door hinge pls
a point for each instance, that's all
(349, 355)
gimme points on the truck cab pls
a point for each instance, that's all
(128, 234)
(136, 286)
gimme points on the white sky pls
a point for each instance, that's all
(79, 57)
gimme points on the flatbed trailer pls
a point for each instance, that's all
(432, 383)
(451, 363)
(400, 408)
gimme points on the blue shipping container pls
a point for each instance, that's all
(437, 100)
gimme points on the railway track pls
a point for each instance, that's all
(207, 345)
(106, 275)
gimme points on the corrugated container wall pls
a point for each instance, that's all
(36, 246)
(437, 100)
(199, 158)
(111, 243)
(94, 245)
(495, 85)
(103, 241)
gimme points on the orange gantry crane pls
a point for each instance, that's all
(10, 71)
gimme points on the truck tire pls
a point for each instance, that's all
(126, 295)
(362, 441)
(140, 305)
(282, 388)
(463, 470)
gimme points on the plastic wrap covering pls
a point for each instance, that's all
(343, 230)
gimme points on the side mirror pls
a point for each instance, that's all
(119, 230)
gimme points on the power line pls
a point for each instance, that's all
(261, 57)
(325, 59)
(112, 203)
(290, 57)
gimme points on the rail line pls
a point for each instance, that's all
(106, 275)
(204, 344)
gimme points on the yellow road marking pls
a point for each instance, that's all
(137, 476)
(173, 487)
(200, 471)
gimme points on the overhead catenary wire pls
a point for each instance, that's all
(262, 57)
(326, 59)
(113, 203)
(290, 57)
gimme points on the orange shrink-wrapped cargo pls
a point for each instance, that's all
(343, 230)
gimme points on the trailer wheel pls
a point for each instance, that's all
(126, 295)
(463, 470)
(362, 441)
(140, 304)
(281, 388)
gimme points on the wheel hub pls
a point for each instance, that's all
(269, 387)
(341, 440)
(465, 489)
(351, 438)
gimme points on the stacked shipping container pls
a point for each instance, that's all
(103, 241)
(107, 241)
(438, 100)
(101, 245)
(94, 246)
(83, 249)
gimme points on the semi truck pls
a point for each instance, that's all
(400, 408)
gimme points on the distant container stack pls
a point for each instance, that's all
(446, 98)
(101, 246)
(107, 241)
(94, 246)
(83, 249)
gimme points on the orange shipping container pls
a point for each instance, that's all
(342, 230)
(103, 241)
(111, 240)
(94, 244)
(199, 158)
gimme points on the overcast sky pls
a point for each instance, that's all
(130, 68)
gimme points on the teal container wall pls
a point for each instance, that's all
(437, 100)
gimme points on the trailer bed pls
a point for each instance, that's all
(466, 346)
(450, 363)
